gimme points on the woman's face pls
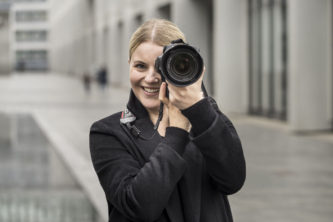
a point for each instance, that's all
(144, 79)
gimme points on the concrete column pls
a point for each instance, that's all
(86, 52)
(310, 64)
(150, 10)
(121, 45)
(6, 130)
(230, 55)
(194, 19)
(115, 29)
(190, 16)
(99, 47)
(278, 55)
(126, 35)
(105, 40)
(266, 40)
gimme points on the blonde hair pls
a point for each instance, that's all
(158, 31)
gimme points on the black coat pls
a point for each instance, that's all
(179, 178)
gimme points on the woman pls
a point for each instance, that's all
(182, 172)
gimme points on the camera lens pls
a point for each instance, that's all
(182, 65)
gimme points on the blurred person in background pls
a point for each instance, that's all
(182, 171)
(102, 77)
(86, 79)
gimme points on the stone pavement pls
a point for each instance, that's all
(289, 177)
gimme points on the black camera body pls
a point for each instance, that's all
(180, 64)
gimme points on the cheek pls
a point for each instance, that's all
(134, 77)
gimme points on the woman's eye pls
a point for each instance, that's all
(139, 66)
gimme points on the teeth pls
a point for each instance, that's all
(150, 90)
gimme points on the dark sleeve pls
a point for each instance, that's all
(217, 139)
(140, 193)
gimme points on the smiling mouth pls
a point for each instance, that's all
(151, 90)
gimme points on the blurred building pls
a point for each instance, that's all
(73, 36)
(4, 37)
(270, 58)
(29, 29)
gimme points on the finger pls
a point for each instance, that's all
(200, 80)
(162, 95)
(173, 91)
(172, 88)
(203, 73)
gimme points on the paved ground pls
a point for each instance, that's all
(290, 177)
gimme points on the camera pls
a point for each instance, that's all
(180, 63)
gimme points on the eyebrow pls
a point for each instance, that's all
(139, 61)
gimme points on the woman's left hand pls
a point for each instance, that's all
(184, 97)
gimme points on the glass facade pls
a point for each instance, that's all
(31, 16)
(4, 6)
(29, 0)
(31, 60)
(31, 36)
(268, 58)
(4, 1)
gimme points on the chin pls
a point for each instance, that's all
(151, 105)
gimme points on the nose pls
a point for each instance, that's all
(152, 76)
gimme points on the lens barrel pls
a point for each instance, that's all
(180, 64)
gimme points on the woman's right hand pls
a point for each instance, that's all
(176, 118)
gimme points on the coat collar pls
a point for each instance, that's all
(142, 122)
(136, 107)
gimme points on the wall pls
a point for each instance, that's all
(230, 54)
(310, 59)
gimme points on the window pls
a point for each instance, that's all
(165, 12)
(31, 16)
(31, 59)
(31, 36)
